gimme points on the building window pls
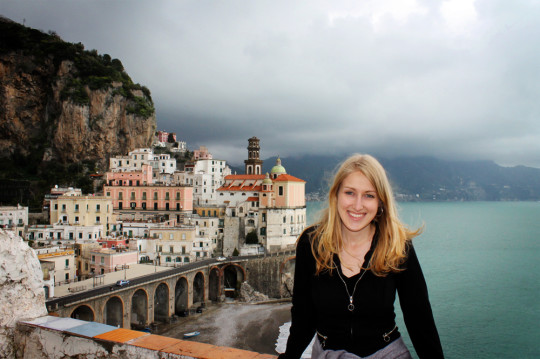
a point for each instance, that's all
(132, 195)
(102, 260)
(120, 197)
(155, 195)
(67, 262)
(281, 190)
(167, 196)
(98, 207)
(144, 196)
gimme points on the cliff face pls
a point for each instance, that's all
(36, 121)
(62, 104)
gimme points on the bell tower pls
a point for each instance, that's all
(253, 163)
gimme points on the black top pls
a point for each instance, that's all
(320, 304)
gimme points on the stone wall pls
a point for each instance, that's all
(272, 275)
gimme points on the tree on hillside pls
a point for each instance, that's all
(252, 237)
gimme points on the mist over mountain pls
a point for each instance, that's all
(426, 178)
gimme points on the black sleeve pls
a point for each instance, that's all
(302, 311)
(414, 301)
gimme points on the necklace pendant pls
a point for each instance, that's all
(351, 307)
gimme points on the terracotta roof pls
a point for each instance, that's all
(121, 335)
(287, 178)
(246, 177)
(252, 199)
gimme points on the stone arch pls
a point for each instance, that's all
(286, 277)
(114, 311)
(83, 312)
(214, 284)
(198, 288)
(161, 302)
(233, 277)
(139, 307)
(181, 295)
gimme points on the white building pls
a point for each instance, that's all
(206, 176)
(14, 218)
(161, 163)
(63, 233)
(64, 263)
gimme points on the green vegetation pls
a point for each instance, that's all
(252, 237)
(91, 71)
(25, 175)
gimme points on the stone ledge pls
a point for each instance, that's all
(55, 337)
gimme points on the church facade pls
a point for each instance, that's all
(268, 209)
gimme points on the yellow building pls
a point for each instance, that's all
(85, 211)
(177, 244)
(64, 264)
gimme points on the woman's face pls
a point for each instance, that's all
(357, 203)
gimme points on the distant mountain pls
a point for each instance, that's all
(427, 178)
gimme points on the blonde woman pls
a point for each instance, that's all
(349, 267)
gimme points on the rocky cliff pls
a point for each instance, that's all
(21, 288)
(62, 104)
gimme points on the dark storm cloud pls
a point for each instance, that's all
(453, 79)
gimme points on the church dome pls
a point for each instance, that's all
(267, 179)
(278, 169)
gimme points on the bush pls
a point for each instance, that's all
(252, 237)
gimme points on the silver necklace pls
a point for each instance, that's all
(351, 305)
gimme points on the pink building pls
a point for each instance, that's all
(151, 197)
(163, 136)
(202, 154)
(109, 260)
(133, 178)
(113, 243)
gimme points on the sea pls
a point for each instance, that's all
(481, 261)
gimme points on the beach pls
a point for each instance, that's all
(245, 326)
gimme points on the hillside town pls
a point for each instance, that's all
(162, 207)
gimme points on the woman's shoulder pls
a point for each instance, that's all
(307, 236)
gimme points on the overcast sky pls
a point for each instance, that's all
(457, 79)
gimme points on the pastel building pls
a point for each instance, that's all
(145, 201)
(60, 233)
(175, 245)
(161, 163)
(108, 260)
(206, 176)
(84, 211)
(272, 206)
(64, 263)
(14, 218)
(202, 154)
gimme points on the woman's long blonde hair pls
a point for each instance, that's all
(393, 236)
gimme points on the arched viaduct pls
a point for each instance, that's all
(160, 296)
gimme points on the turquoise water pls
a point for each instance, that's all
(480, 263)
